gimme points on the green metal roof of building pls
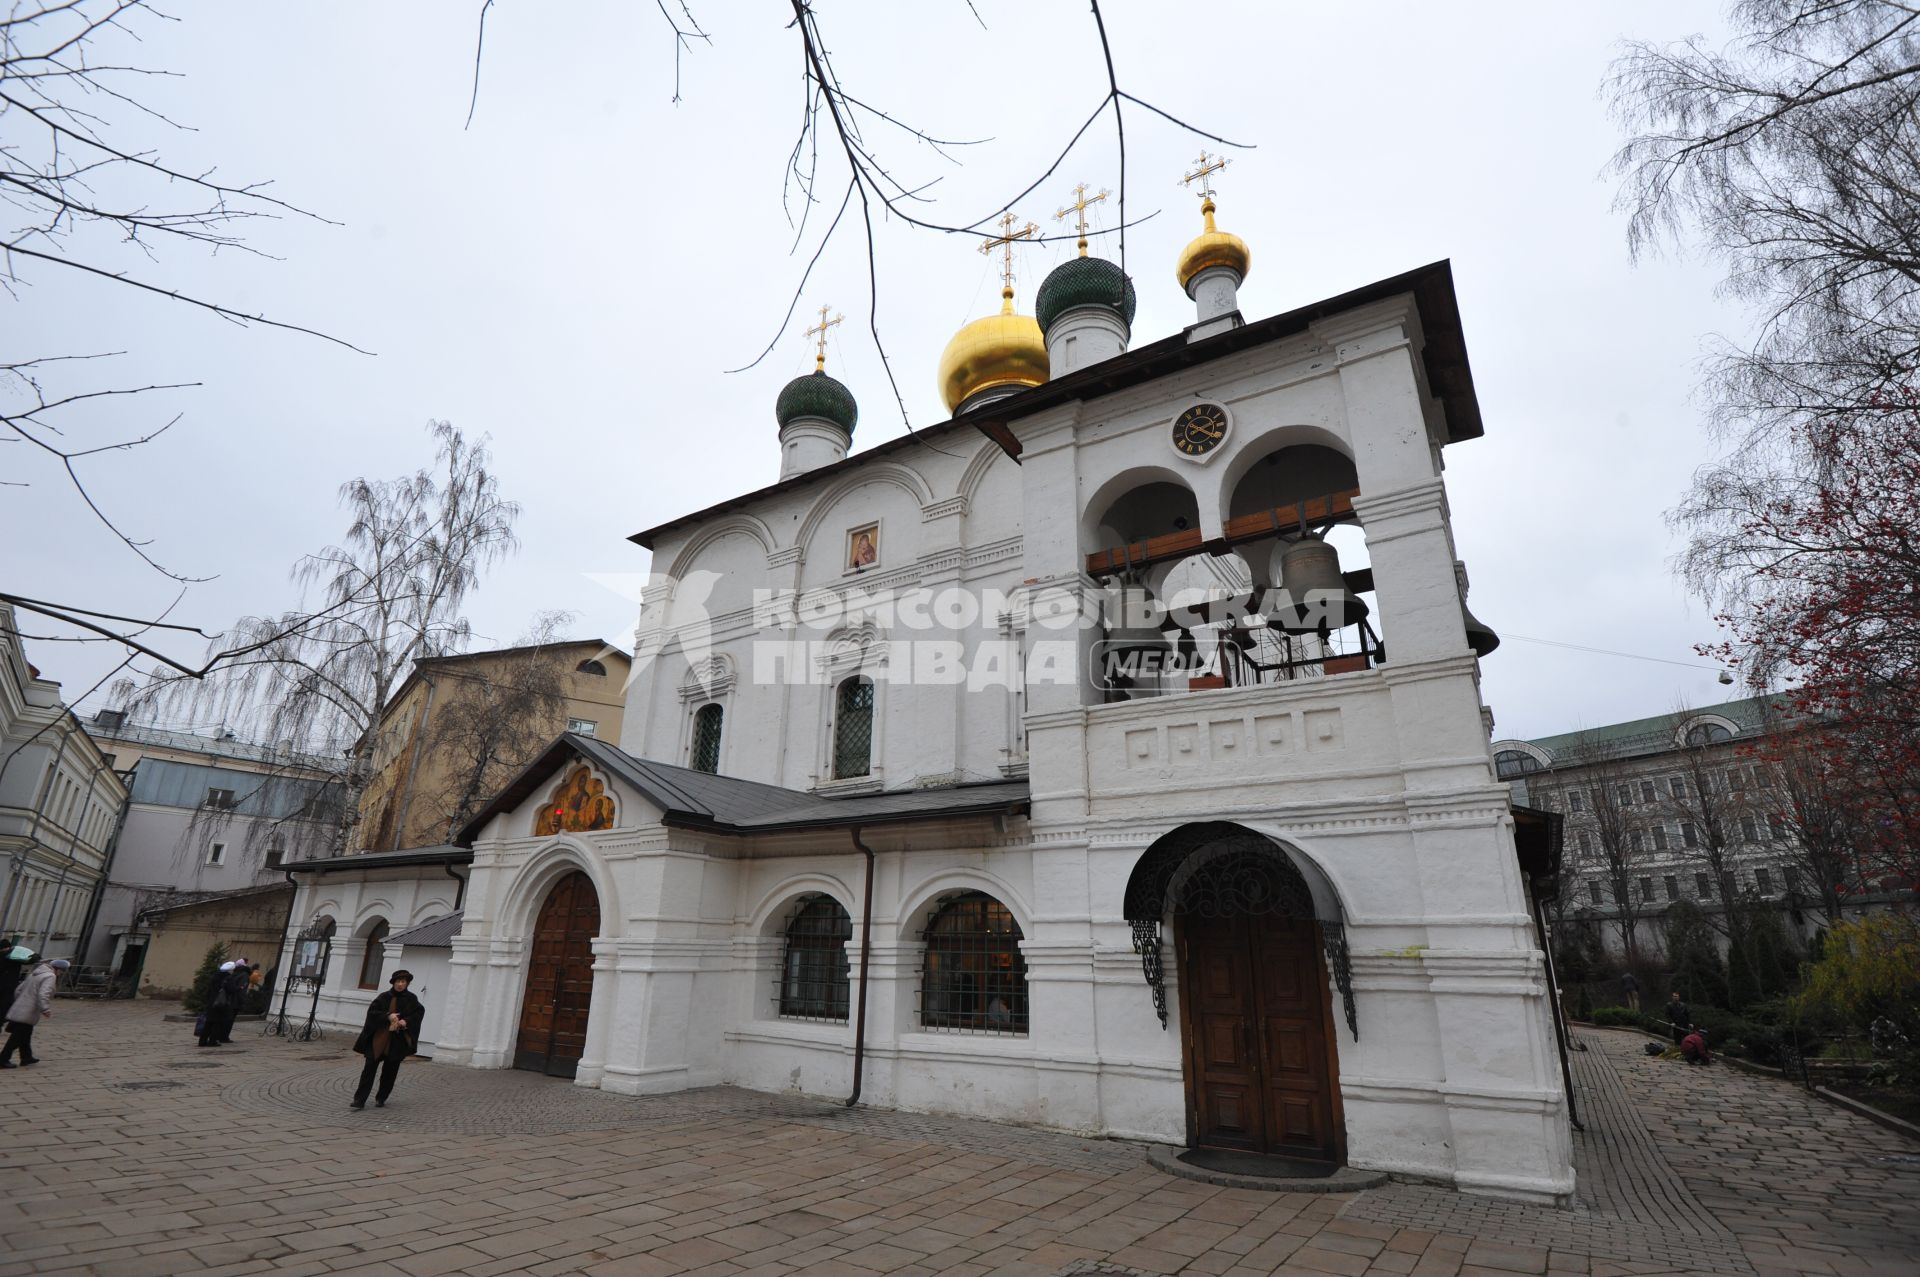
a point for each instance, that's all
(1656, 734)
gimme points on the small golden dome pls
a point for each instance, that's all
(999, 350)
(1213, 247)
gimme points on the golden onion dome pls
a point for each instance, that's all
(999, 350)
(1213, 247)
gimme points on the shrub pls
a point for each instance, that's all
(1737, 1035)
(1761, 962)
(1869, 968)
(1695, 954)
(202, 991)
(1616, 1018)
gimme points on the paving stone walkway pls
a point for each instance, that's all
(130, 1151)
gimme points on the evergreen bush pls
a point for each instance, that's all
(1698, 973)
(202, 991)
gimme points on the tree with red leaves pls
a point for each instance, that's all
(1819, 571)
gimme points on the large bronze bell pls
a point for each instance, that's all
(1318, 597)
(1481, 639)
(1131, 655)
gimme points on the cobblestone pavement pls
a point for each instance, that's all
(130, 1151)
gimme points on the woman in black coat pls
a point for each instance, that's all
(391, 1034)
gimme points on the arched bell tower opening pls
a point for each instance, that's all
(1257, 944)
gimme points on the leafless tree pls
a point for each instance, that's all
(390, 593)
(1713, 795)
(494, 723)
(1789, 154)
(85, 193)
(1815, 807)
(1597, 770)
(836, 162)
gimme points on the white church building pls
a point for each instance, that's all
(923, 798)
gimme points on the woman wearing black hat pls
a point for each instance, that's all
(390, 1036)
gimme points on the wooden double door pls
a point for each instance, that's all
(1259, 1063)
(553, 1016)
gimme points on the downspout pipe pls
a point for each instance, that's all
(866, 944)
(459, 892)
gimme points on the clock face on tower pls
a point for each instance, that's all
(1200, 429)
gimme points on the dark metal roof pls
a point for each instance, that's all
(434, 933)
(213, 897)
(1445, 358)
(699, 800)
(442, 855)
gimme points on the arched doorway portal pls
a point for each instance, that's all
(553, 1015)
(1255, 946)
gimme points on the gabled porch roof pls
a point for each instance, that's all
(699, 800)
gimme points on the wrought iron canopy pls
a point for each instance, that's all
(1216, 869)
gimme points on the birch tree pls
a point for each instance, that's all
(390, 593)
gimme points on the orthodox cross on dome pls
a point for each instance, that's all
(1005, 241)
(1207, 165)
(1080, 205)
(820, 330)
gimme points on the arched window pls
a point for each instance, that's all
(1509, 763)
(1707, 734)
(591, 667)
(974, 977)
(853, 729)
(705, 756)
(375, 957)
(813, 972)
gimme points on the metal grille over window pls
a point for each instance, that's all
(813, 971)
(853, 729)
(706, 739)
(974, 978)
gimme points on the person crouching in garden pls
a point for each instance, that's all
(390, 1036)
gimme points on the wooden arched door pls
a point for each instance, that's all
(553, 1016)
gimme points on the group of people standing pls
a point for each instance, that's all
(225, 1000)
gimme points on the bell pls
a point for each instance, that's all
(1481, 639)
(1130, 654)
(1318, 595)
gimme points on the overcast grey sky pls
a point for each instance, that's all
(573, 273)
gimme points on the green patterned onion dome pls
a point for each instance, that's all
(817, 395)
(1084, 281)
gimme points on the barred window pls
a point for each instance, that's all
(853, 729)
(975, 977)
(813, 972)
(706, 739)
